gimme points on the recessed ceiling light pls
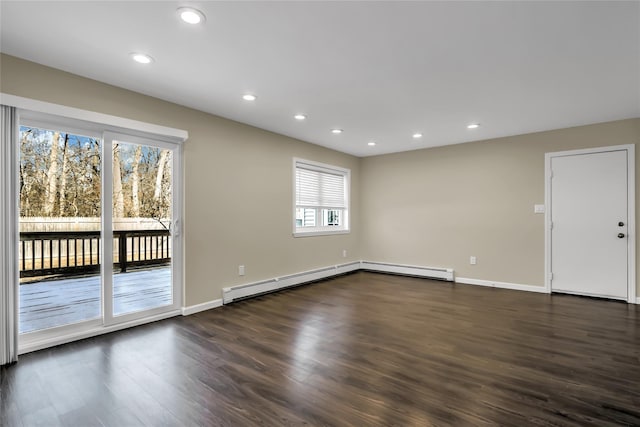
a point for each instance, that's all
(371, 144)
(336, 131)
(141, 58)
(191, 15)
(299, 117)
(249, 97)
(417, 135)
(473, 126)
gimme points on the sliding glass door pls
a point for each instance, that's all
(60, 227)
(98, 241)
(142, 205)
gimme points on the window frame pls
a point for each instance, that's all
(322, 230)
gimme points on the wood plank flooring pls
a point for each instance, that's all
(358, 350)
(61, 302)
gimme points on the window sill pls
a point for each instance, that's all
(319, 233)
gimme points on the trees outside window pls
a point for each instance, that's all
(60, 176)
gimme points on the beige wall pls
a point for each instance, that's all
(238, 183)
(439, 206)
(432, 207)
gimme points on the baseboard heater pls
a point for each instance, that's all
(239, 292)
(249, 290)
(409, 270)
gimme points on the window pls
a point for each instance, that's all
(321, 199)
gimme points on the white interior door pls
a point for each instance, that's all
(590, 224)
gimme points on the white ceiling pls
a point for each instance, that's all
(379, 70)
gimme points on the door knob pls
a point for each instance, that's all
(620, 235)
(621, 224)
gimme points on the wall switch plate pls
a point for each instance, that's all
(538, 208)
(241, 270)
(344, 253)
(473, 260)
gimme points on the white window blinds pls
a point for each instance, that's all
(321, 204)
(318, 187)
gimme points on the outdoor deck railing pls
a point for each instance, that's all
(78, 252)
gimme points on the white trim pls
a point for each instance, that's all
(631, 212)
(27, 345)
(59, 124)
(112, 123)
(193, 309)
(409, 270)
(631, 221)
(274, 284)
(502, 285)
(106, 231)
(247, 290)
(319, 233)
(107, 228)
(320, 167)
(547, 223)
(178, 255)
(605, 149)
(9, 243)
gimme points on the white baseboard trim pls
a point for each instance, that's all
(27, 346)
(193, 309)
(502, 285)
(234, 293)
(638, 300)
(409, 270)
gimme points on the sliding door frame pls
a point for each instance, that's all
(93, 124)
(39, 121)
(108, 139)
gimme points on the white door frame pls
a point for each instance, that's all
(631, 212)
(90, 123)
(108, 139)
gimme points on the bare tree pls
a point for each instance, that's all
(24, 187)
(168, 189)
(118, 195)
(63, 173)
(161, 165)
(52, 177)
(63, 177)
(135, 182)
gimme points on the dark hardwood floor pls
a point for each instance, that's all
(363, 349)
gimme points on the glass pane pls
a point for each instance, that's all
(142, 206)
(305, 217)
(59, 253)
(331, 217)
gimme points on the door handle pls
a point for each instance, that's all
(620, 235)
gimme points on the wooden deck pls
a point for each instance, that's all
(61, 302)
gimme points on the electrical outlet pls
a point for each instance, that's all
(344, 253)
(473, 260)
(241, 270)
